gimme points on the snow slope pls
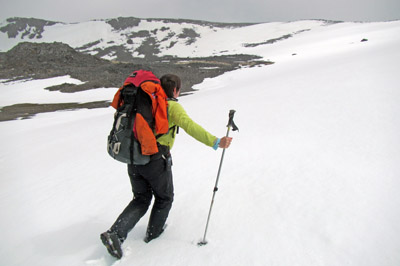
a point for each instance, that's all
(310, 179)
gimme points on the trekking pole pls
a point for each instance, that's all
(230, 125)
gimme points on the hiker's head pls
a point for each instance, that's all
(171, 84)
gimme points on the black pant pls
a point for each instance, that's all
(154, 178)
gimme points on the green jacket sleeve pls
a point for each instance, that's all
(178, 116)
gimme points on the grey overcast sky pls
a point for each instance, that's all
(209, 10)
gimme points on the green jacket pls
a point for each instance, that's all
(177, 116)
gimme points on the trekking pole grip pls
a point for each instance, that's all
(231, 115)
(231, 123)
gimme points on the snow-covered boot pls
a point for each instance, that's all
(113, 243)
(151, 235)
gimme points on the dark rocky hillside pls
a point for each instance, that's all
(45, 60)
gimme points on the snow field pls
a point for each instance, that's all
(310, 179)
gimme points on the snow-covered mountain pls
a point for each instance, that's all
(311, 179)
(124, 38)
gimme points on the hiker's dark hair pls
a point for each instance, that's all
(169, 82)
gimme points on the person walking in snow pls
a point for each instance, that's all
(155, 177)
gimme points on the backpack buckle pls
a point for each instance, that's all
(116, 147)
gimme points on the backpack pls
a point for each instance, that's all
(140, 118)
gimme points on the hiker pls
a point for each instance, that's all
(155, 177)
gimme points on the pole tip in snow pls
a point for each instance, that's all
(202, 243)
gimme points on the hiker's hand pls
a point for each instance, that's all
(225, 142)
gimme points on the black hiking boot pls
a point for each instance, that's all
(112, 243)
(150, 236)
